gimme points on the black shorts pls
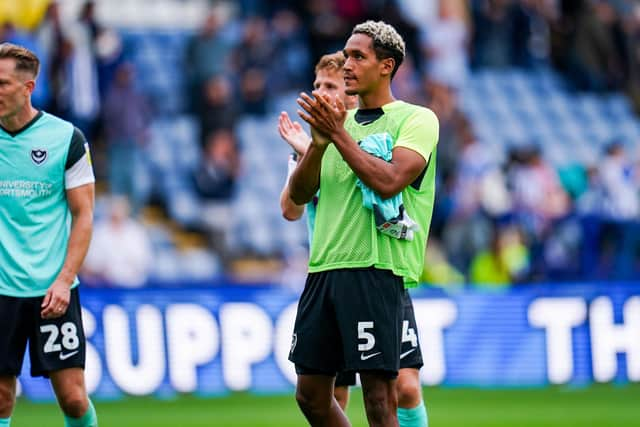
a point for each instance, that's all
(410, 353)
(349, 320)
(54, 344)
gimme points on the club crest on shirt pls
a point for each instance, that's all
(39, 155)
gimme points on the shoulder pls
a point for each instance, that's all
(51, 119)
(417, 120)
(405, 113)
(55, 125)
(419, 113)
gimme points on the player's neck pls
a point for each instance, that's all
(17, 121)
(375, 99)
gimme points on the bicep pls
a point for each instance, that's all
(408, 165)
(415, 144)
(80, 199)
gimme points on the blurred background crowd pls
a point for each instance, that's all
(538, 101)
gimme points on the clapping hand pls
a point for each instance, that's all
(324, 116)
(293, 133)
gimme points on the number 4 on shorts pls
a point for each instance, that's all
(409, 334)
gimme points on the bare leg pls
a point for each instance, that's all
(380, 398)
(314, 394)
(68, 384)
(341, 393)
(7, 395)
(409, 388)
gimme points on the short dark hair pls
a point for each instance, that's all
(25, 59)
(387, 43)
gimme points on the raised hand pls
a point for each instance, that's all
(293, 134)
(322, 113)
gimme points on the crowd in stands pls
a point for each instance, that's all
(496, 221)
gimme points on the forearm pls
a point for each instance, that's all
(79, 240)
(290, 211)
(377, 174)
(305, 181)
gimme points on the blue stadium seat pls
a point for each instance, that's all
(536, 106)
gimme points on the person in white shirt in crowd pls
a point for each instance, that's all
(120, 252)
(445, 43)
(619, 181)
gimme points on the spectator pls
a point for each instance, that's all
(208, 55)
(479, 194)
(126, 115)
(215, 178)
(256, 48)
(253, 92)
(120, 251)
(443, 101)
(327, 29)
(290, 71)
(538, 196)
(215, 181)
(540, 203)
(621, 209)
(445, 43)
(502, 33)
(585, 45)
(437, 270)
(505, 262)
(619, 179)
(81, 96)
(57, 52)
(480, 185)
(218, 109)
(407, 83)
(491, 40)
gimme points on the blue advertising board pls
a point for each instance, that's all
(211, 341)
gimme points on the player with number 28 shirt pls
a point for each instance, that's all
(46, 215)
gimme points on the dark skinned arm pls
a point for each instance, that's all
(385, 178)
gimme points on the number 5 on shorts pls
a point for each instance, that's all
(367, 336)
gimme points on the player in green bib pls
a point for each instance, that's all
(46, 216)
(353, 296)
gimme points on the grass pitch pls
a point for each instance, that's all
(597, 406)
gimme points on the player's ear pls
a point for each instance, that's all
(386, 66)
(30, 85)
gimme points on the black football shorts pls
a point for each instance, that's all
(349, 320)
(54, 344)
(410, 353)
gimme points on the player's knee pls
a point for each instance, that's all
(310, 403)
(304, 398)
(409, 391)
(74, 405)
